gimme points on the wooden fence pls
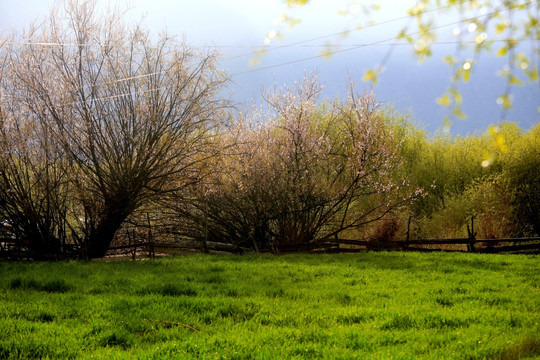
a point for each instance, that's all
(531, 245)
(150, 249)
(511, 245)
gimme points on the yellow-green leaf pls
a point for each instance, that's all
(450, 59)
(532, 74)
(254, 61)
(502, 51)
(293, 22)
(515, 81)
(458, 113)
(521, 57)
(504, 101)
(370, 75)
(260, 52)
(444, 100)
(458, 98)
(294, 3)
(326, 53)
(500, 27)
(466, 75)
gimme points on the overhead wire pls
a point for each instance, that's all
(379, 42)
(346, 32)
(267, 49)
(351, 48)
(322, 37)
(382, 44)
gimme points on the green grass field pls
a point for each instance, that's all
(367, 305)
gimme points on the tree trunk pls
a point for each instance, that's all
(99, 240)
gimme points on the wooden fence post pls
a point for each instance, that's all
(472, 236)
(408, 232)
(151, 251)
(134, 251)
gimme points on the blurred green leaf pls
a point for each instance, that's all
(326, 53)
(451, 60)
(444, 100)
(370, 75)
(466, 75)
(295, 3)
(532, 74)
(504, 101)
(515, 81)
(457, 112)
(500, 27)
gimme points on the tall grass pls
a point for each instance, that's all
(368, 305)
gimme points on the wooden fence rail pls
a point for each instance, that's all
(506, 245)
(531, 245)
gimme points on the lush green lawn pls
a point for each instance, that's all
(368, 305)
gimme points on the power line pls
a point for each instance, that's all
(346, 32)
(295, 44)
(353, 48)
(356, 47)
(341, 33)
(390, 44)
(380, 42)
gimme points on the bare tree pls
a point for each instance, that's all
(33, 188)
(306, 174)
(132, 116)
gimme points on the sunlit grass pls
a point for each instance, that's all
(369, 305)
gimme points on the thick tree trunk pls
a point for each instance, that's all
(99, 240)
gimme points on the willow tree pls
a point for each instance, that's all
(129, 113)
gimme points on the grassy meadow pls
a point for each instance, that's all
(367, 305)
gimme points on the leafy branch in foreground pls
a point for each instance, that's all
(503, 28)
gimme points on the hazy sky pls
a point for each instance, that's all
(238, 27)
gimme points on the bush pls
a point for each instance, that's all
(305, 175)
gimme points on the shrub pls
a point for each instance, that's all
(305, 175)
